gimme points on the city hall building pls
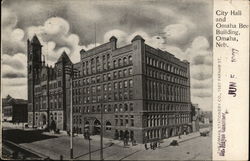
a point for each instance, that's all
(141, 93)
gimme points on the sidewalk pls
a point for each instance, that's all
(139, 146)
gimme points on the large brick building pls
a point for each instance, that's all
(144, 92)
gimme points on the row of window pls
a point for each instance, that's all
(166, 77)
(167, 92)
(95, 66)
(166, 107)
(165, 66)
(51, 86)
(161, 120)
(104, 77)
(103, 87)
(124, 122)
(107, 97)
(125, 107)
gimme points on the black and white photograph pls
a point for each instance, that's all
(107, 80)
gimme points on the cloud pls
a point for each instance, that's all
(11, 36)
(202, 94)
(119, 34)
(55, 37)
(10, 72)
(14, 66)
(17, 61)
(201, 84)
(176, 33)
(16, 87)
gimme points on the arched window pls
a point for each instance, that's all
(115, 108)
(131, 106)
(130, 59)
(125, 107)
(125, 61)
(114, 64)
(108, 125)
(120, 107)
(119, 62)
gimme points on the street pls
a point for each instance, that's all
(191, 147)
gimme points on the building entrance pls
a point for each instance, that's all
(97, 127)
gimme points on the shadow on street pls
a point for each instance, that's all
(19, 136)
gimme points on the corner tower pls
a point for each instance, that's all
(34, 64)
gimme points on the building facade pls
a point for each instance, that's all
(136, 91)
(47, 88)
(14, 110)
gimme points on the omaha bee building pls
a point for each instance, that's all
(142, 93)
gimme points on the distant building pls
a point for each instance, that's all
(14, 110)
(195, 112)
(144, 92)
(206, 117)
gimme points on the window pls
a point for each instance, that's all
(120, 85)
(93, 89)
(132, 122)
(109, 86)
(120, 62)
(130, 59)
(120, 73)
(125, 72)
(131, 106)
(125, 61)
(125, 107)
(108, 126)
(116, 96)
(130, 71)
(120, 107)
(114, 63)
(98, 79)
(93, 80)
(115, 108)
(105, 87)
(98, 88)
(104, 77)
(109, 76)
(59, 83)
(131, 83)
(125, 84)
(115, 85)
(115, 74)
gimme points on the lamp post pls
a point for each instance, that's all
(71, 71)
(88, 137)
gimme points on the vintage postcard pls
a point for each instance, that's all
(124, 79)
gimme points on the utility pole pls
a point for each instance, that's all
(70, 70)
(101, 134)
(71, 113)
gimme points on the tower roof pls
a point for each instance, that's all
(35, 40)
(64, 57)
(113, 38)
(137, 37)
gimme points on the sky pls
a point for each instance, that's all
(181, 27)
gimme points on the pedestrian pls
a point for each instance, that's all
(151, 146)
(155, 145)
(146, 146)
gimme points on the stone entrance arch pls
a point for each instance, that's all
(43, 120)
(97, 127)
